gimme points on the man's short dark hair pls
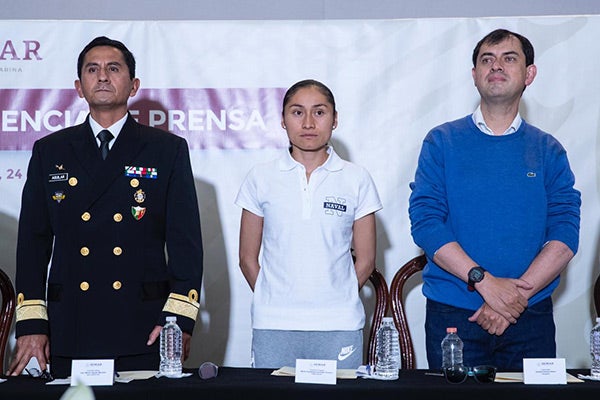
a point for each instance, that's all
(104, 41)
(500, 35)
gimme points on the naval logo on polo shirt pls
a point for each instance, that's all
(334, 205)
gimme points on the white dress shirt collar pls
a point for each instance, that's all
(480, 123)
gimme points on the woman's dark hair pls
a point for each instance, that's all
(308, 83)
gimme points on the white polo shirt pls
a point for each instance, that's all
(307, 279)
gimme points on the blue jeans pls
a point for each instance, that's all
(533, 336)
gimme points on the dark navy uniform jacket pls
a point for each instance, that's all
(122, 236)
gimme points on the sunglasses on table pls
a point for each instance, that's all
(36, 373)
(481, 373)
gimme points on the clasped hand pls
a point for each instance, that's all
(504, 303)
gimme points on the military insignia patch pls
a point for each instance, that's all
(141, 172)
(138, 212)
(58, 196)
(139, 196)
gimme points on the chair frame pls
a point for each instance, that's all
(381, 307)
(597, 296)
(6, 314)
(407, 350)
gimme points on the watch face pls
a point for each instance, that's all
(476, 274)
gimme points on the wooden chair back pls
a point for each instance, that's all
(407, 351)
(7, 312)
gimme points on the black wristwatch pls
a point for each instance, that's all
(476, 274)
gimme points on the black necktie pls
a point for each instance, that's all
(105, 136)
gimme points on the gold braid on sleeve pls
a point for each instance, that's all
(30, 309)
(186, 306)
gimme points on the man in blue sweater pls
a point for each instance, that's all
(494, 208)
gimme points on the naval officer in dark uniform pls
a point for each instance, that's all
(116, 224)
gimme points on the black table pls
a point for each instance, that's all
(248, 383)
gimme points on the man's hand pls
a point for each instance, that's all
(490, 320)
(187, 341)
(504, 296)
(29, 346)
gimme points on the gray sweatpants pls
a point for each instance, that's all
(277, 348)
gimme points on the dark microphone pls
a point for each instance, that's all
(208, 370)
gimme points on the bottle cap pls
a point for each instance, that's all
(171, 318)
(451, 329)
(598, 319)
(388, 319)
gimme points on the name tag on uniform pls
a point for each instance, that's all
(59, 177)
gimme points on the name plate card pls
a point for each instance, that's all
(544, 371)
(93, 372)
(316, 371)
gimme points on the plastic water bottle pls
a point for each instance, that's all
(595, 350)
(171, 343)
(388, 350)
(452, 350)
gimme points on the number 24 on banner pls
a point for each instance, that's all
(12, 174)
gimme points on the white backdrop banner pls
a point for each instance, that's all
(220, 84)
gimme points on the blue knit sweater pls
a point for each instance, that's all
(500, 197)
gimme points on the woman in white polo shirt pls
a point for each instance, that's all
(301, 215)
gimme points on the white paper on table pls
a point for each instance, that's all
(291, 371)
(518, 377)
